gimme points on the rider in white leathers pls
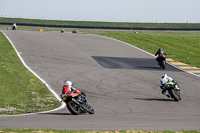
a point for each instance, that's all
(165, 79)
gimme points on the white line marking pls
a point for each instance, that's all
(44, 82)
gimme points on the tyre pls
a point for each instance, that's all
(174, 94)
(163, 64)
(73, 108)
(91, 110)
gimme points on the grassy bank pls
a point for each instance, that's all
(66, 131)
(20, 91)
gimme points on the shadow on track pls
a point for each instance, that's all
(130, 63)
(56, 113)
(155, 99)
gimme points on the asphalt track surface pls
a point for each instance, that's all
(121, 82)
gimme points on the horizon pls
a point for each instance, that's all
(141, 11)
(187, 22)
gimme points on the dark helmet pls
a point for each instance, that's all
(160, 49)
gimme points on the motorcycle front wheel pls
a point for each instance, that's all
(174, 94)
(73, 108)
(91, 110)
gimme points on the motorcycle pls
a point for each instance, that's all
(174, 93)
(162, 61)
(77, 104)
(14, 27)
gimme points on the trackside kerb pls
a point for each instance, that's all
(184, 67)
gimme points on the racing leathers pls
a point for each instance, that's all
(160, 52)
(70, 91)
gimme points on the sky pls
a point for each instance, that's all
(162, 11)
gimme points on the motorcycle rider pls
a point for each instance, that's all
(160, 52)
(69, 89)
(14, 27)
(166, 79)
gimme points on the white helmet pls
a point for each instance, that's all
(68, 83)
(164, 79)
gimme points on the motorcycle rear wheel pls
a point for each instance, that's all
(162, 64)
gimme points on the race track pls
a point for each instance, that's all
(121, 82)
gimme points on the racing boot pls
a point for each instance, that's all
(177, 87)
(164, 92)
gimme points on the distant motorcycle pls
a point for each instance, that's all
(77, 104)
(162, 61)
(75, 31)
(14, 27)
(173, 92)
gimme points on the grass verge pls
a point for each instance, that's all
(67, 131)
(20, 91)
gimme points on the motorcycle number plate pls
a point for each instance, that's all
(64, 99)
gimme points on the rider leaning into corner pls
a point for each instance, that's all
(160, 52)
(166, 79)
(69, 89)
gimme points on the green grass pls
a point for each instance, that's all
(20, 91)
(67, 131)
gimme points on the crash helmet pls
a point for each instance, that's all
(68, 83)
(164, 79)
(160, 49)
